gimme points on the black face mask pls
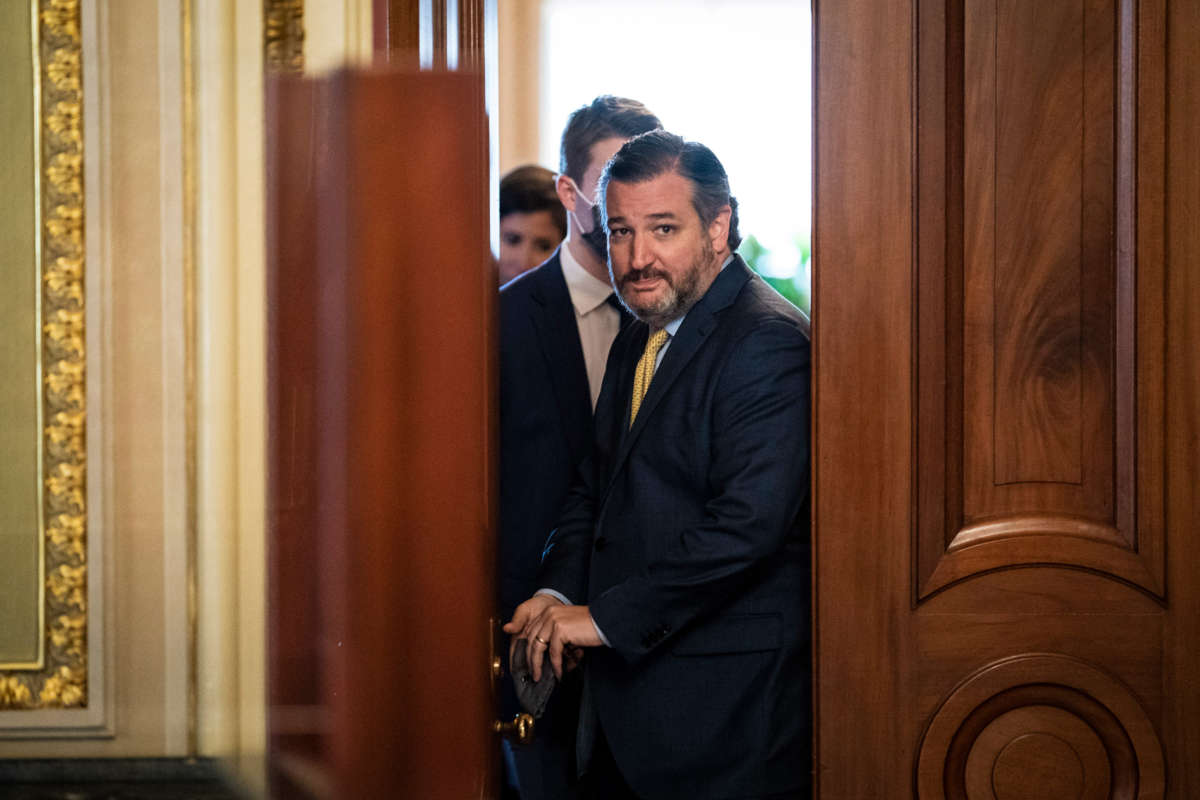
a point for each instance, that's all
(596, 238)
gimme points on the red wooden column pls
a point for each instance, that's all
(382, 500)
(296, 710)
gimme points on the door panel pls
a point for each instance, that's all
(1001, 310)
(382, 296)
(1026, 383)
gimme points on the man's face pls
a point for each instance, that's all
(527, 238)
(587, 211)
(662, 258)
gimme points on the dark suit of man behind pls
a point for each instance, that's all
(547, 413)
(545, 431)
(688, 537)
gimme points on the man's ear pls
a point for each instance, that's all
(565, 189)
(718, 230)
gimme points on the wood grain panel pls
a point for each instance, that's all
(978, 102)
(1129, 645)
(1037, 138)
(977, 742)
(405, 468)
(1144, 345)
(383, 420)
(863, 234)
(1048, 643)
(1179, 26)
(1042, 750)
(1029, 293)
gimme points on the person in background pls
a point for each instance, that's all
(556, 325)
(532, 220)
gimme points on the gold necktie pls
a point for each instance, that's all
(645, 370)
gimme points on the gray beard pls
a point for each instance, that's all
(678, 301)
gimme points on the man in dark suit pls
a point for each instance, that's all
(557, 323)
(685, 541)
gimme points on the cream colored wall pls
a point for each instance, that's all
(230, 385)
(336, 33)
(520, 85)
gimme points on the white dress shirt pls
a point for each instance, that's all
(598, 322)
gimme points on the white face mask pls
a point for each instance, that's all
(596, 238)
(579, 192)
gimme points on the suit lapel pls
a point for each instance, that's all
(558, 336)
(699, 323)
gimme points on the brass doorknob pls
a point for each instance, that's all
(497, 667)
(519, 730)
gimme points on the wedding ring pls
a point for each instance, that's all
(540, 640)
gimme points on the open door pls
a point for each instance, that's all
(1007, 333)
(381, 297)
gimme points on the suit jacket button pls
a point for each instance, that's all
(600, 543)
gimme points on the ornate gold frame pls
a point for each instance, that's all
(283, 35)
(61, 682)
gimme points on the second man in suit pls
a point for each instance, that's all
(557, 322)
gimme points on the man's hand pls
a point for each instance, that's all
(523, 617)
(546, 624)
(527, 612)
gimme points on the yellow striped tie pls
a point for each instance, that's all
(645, 371)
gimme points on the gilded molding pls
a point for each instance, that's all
(283, 35)
(62, 682)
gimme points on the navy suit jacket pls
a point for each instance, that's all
(688, 537)
(545, 420)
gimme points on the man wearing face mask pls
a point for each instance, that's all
(557, 323)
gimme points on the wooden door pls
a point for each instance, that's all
(1007, 418)
(381, 297)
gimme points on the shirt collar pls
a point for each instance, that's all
(587, 293)
(672, 327)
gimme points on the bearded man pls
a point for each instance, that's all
(680, 565)
(557, 322)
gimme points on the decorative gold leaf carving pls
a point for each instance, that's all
(62, 681)
(66, 534)
(66, 688)
(13, 692)
(283, 35)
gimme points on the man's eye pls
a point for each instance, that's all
(617, 232)
(512, 238)
(664, 229)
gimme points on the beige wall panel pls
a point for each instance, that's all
(520, 85)
(337, 33)
(230, 387)
(134, 355)
(183, 679)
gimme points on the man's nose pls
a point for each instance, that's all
(643, 253)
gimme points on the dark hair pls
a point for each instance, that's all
(606, 117)
(658, 152)
(531, 188)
